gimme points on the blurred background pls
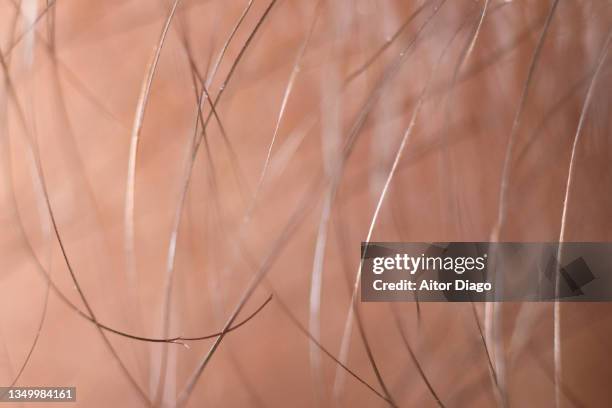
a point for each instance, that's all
(168, 166)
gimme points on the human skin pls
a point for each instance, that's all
(313, 115)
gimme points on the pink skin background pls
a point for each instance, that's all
(78, 76)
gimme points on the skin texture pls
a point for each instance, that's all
(272, 139)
